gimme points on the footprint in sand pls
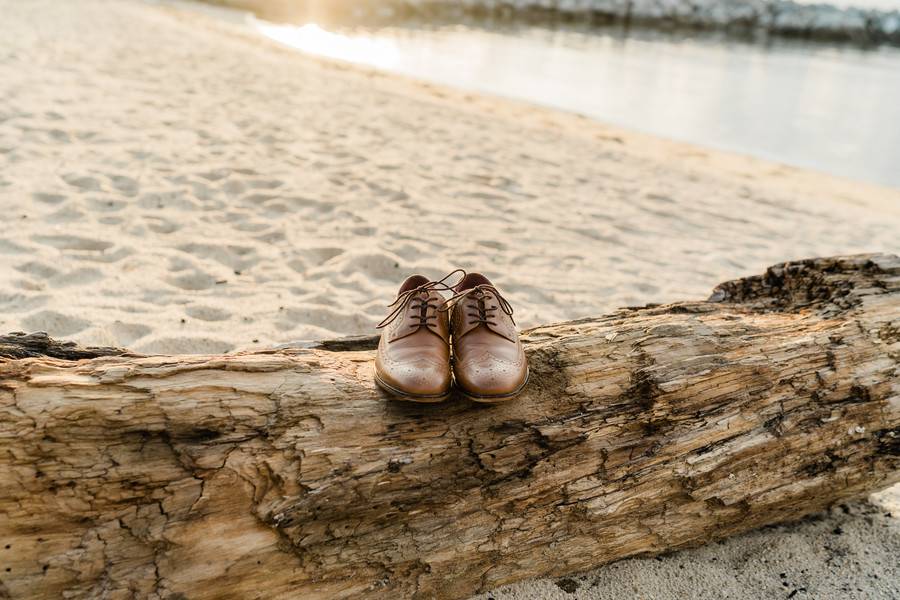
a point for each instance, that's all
(38, 269)
(58, 135)
(207, 313)
(173, 200)
(193, 281)
(215, 175)
(381, 266)
(297, 264)
(492, 244)
(106, 204)
(82, 182)
(319, 256)
(161, 225)
(251, 226)
(124, 184)
(409, 251)
(66, 214)
(235, 257)
(233, 187)
(125, 334)
(326, 318)
(184, 345)
(258, 199)
(18, 303)
(48, 198)
(81, 276)
(275, 208)
(272, 237)
(308, 204)
(106, 257)
(29, 285)
(265, 184)
(181, 263)
(7, 247)
(55, 323)
(72, 242)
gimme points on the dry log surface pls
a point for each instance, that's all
(286, 474)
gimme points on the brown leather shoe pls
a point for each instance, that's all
(413, 359)
(489, 362)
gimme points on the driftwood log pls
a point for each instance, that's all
(286, 474)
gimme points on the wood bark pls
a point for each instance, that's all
(286, 474)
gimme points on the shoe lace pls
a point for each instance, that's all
(418, 299)
(483, 314)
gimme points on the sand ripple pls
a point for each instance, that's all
(220, 193)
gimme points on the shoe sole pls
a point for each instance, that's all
(418, 398)
(497, 399)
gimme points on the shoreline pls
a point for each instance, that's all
(876, 196)
(353, 49)
(755, 19)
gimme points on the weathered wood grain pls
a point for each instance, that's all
(286, 474)
(27, 345)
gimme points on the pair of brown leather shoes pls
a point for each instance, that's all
(414, 354)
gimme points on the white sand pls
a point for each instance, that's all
(849, 553)
(172, 183)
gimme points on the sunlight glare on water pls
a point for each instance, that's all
(311, 38)
(825, 107)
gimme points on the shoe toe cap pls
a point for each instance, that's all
(491, 377)
(418, 379)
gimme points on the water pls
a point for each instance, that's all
(835, 109)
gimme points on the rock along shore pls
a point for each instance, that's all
(766, 17)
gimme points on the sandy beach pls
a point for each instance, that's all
(172, 183)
